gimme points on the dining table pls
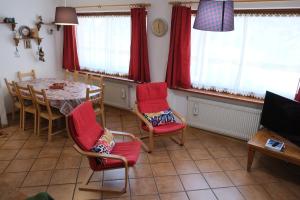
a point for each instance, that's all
(65, 99)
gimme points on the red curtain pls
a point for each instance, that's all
(178, 70)
(70, 56)
(139, 63)
(297, 96)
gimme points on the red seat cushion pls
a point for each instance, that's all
(130, 150)
(166, 128)
(152, 97)
(87, 130)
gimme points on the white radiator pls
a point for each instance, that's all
(231, 120)
(117, 94)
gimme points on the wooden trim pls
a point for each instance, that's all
(236, 1)
(138, 5)
(223, 95)
(87, 14)
(263, 12)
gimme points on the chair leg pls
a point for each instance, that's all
(50, 131)
(20, 116)
(87, 187)
(35, 123)
(23, 120)
(38, 125)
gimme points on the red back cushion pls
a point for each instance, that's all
(84, 127)
(152, 97)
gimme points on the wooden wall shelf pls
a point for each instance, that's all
(13, 25)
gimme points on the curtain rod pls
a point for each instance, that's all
(140, 5)
(237, 1)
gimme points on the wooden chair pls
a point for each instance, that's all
(68, 75)
(97, 96)
(80, 77)
(16, 105)
(22, 75)
(152, 98)
(26, 104)
(44, 111)
(85, 131)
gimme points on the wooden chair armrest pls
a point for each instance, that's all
(143, 119)
(119, 133)
(100, 155)
(179, 116)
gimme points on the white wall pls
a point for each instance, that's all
(25, 13)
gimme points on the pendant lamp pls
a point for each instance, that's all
(215, 15)
(65, 15)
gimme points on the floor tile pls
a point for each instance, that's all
(48, 152)
(143, 186)
(7, 154)
(3, 165)
(64, 176)
(28, 153)
(140, 171)
(208, 165)
(34, 144)
(217, 179)
(193, 182)
(230, 193)
(13, 179)
(68, 162)
(262, 175)
(20, 165)
(87, 195)
(37, 178)
(32, 191)
(161, 156)
(13, 144)
(44, 164)
(174, 196)
(145, 197)
(279, 191)
(201, 194)
(163, 169)
(63, 192)
(115, 184)
(179, 155)
(219, 152)
(168, 184)
(229, 164)
(83, 172)
(186, 167)
(254, 192)
(241, 177)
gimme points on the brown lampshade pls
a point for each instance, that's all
(66, 16)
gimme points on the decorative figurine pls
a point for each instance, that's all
(41, 55)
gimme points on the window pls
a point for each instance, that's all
(104, 43)
(262, 53)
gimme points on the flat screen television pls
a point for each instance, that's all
(282, 115)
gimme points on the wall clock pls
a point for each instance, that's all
(159, 27)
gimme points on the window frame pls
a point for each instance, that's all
(239, 97)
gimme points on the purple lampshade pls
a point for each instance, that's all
(215, 16)
(66, 16)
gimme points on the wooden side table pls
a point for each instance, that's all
(291, 153)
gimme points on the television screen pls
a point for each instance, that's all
(282, 115)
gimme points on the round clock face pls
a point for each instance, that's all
(159, 27)
(24, 31)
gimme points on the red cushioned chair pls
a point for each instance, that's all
(85, 132)
(151, 98)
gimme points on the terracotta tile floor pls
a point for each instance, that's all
(209, 166)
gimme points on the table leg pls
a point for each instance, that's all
(251, 153)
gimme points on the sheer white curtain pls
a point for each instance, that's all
(262, 53)
(104, 43)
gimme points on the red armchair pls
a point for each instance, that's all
(85, 132)
(152, 98)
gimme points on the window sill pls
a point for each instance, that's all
(224, 96)
(110, 77)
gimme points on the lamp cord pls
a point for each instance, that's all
(223, 14)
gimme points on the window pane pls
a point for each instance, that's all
(259, 55)
(104, 43)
